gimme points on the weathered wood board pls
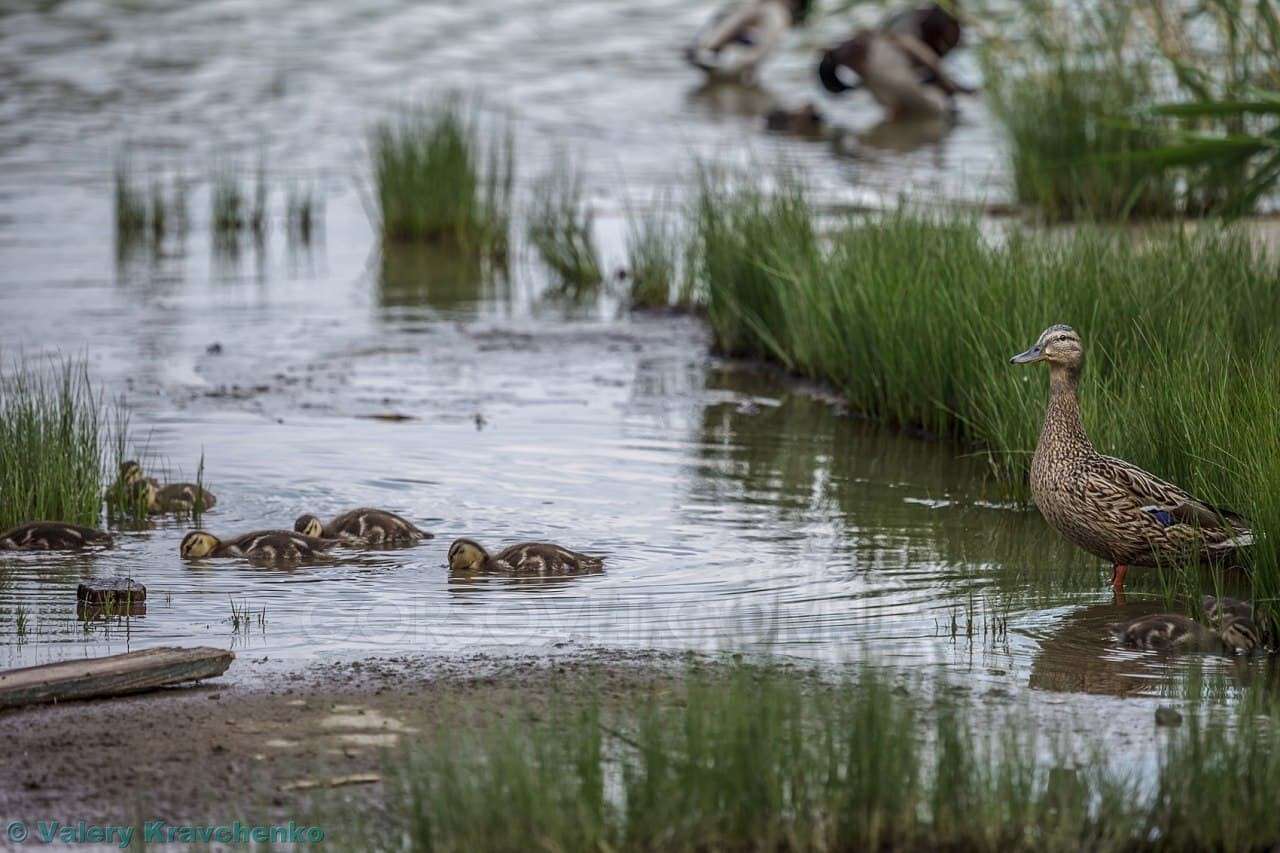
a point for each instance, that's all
(115, 675)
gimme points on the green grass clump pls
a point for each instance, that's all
(765, 759)
(1077, 142)
(435, 179)
(653, 259)
(560, 229)
(53, 436)
(146, 215)
(914, 320)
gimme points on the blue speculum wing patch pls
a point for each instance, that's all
(1162, 516)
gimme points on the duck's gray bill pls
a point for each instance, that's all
(1027, 357)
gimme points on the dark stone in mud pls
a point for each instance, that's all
(1166, 716)
(110, 596)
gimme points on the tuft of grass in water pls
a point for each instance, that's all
(560, 229)
(54, 434)
(243, 617)
(130, 206)
(436, 179)
(1077, 140)
(228, 215)
(302, 213)
(146, 215)
(653, 259)
(914, 319)
(766, 759)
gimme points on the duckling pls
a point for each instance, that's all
(1216, 608)
(172, 497)
(52, 536)
(1112, 508)
(364, 526)
(900, 63)
(467, 555)
(265, 545)
(1175, 632)
(738, 40)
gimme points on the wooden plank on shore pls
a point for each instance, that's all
(115, 675)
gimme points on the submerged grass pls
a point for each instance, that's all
(763, 758)
(54, 432)
(653, 261)
(435, 178)
(561, 230)
(914, 319)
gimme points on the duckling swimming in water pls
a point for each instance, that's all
(467, 555)
(1175, 632)
(364, 526)
(264, 545)
(52, 536)
(172, 497)
(739, 39)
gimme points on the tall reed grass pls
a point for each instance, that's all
(914, 319)
(437, 178)
(765, 759)
(561, 230)
(54, 434)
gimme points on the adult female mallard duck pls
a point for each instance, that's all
(741, 37)
(364, 526)
(171, 497)
(52, 536)
(265, 545)
(542, 558)
(1107, 506)
(1175, 632)
(900, 63)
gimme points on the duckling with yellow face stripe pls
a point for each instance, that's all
(274, 546)
(171, 497)
(1175, 632)
(52, 536)
(534, 558)
(364, 526)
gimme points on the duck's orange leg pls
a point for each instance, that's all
(1118, 571)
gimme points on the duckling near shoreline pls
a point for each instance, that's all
(52, 536)
(364, 526)
(170, 497)
(1175, 632)
(541, 558)
(1109, 507)
(263, 545)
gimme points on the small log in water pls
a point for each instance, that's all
(114, 591)
(115, 675)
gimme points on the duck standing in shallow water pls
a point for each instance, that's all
(364, 526)
(900, 63)
(740, 38)
(536, 558)
(52, 536)
(1175, 632)
(1107, 506)
(274, 546)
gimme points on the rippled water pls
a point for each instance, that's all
(734, 509)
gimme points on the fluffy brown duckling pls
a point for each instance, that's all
(1175, 632)
(170, 497)
(1216, 608)
(364, 526)
(52, 536)
(264, 545)
(542, 558)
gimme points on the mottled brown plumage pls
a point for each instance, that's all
(1175, 632)
(52, 536)
(535, 558)
(364, 526)
(172, 497)
(1107, 506)
(275, 546)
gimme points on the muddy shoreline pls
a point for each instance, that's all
(267, 747)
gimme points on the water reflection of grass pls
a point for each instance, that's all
(561, 230)
(763, 758)
(914, 320)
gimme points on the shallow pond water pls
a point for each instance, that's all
(735, 509)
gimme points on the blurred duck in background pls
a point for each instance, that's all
(900, 63)
(741, 37)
